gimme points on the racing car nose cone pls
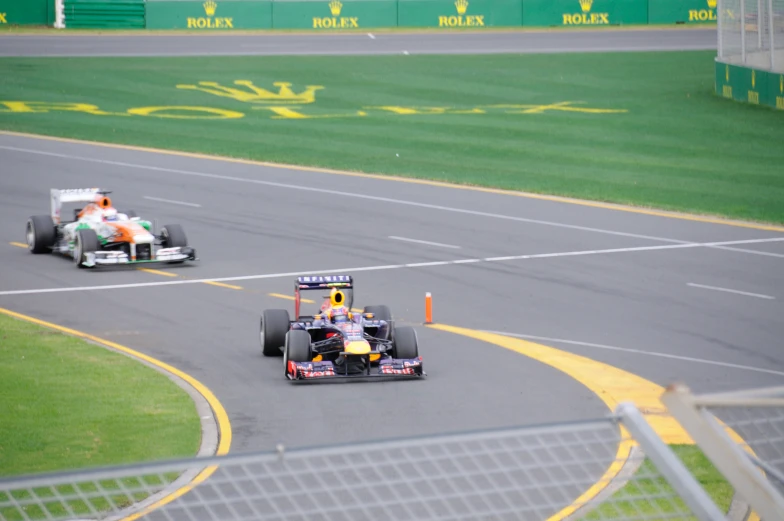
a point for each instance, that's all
(357, 347)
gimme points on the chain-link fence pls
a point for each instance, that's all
(614, 468)
(751, 33)
(742, 433)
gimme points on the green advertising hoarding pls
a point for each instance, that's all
(547, 13)
(209, 14)
(681, 11)
(26, 12)
(460, 13)
(333, 14)
(750, 85)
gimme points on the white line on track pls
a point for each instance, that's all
(371, 36)
(183, 203)
(419, 241)
(714, 288)
(377, 268)
(641, 352)
(388, 200)
(347, 194)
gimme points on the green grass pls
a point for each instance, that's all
(677, 146)
(69, 404)
(635, 498)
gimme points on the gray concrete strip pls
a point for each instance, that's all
(491, 42)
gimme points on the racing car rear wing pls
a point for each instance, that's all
(71, 195)
(321, 282)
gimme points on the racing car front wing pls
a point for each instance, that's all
(163, 255)
(389, 368)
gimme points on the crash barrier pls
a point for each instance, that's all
(612, 468)
(27, 12)
(119, 14)
(750, 57)
(326, 15)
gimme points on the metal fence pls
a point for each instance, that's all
(613, 468)
(751, 33)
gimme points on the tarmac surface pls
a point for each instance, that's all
(593, 276)
(361, 43)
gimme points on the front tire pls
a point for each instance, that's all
(273, 327)
(86, 242)
(406, 344)
(40, 233)
(297, 348)
(173, 236)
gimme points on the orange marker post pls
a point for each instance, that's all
(428, 308)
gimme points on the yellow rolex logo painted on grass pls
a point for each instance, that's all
(287, 102)
(586, 17)
(253, 94)
(210, 21)
(3, 18)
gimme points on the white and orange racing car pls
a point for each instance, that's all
(99, 235)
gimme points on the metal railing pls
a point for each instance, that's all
(751, 33)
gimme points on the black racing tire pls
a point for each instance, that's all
(130, 213)
(173, 236)
(380, 312)
(41, 234)
(86, 242)
(406, 344)
(273, 327)
(297, 348)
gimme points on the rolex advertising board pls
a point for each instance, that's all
(575, 13)
(460, 13)
(209, 15)
(682, 11)
(326, 15)
(750, 86)
(25, 12)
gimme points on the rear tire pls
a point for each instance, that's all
(381, 312)
(297, 348)
(86, 242)
(272, 331)
(406, 344)
(40, 233)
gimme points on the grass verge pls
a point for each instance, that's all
(649, 494)
(633, 128)
(69, 404)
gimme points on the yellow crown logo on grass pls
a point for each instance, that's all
(585, 5)
(712, 4)
(210, 7)
(462, 6)
(253, 94)
(334, 7)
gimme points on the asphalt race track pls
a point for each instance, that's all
(593, 276)
(347, 44)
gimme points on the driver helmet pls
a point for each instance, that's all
(337, 312)
(110, 214)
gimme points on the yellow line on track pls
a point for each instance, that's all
(224, 426)
(289, 297)
(442, 184)
(610, 384)
(18, 244)
(222, 285)
(157, 272)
